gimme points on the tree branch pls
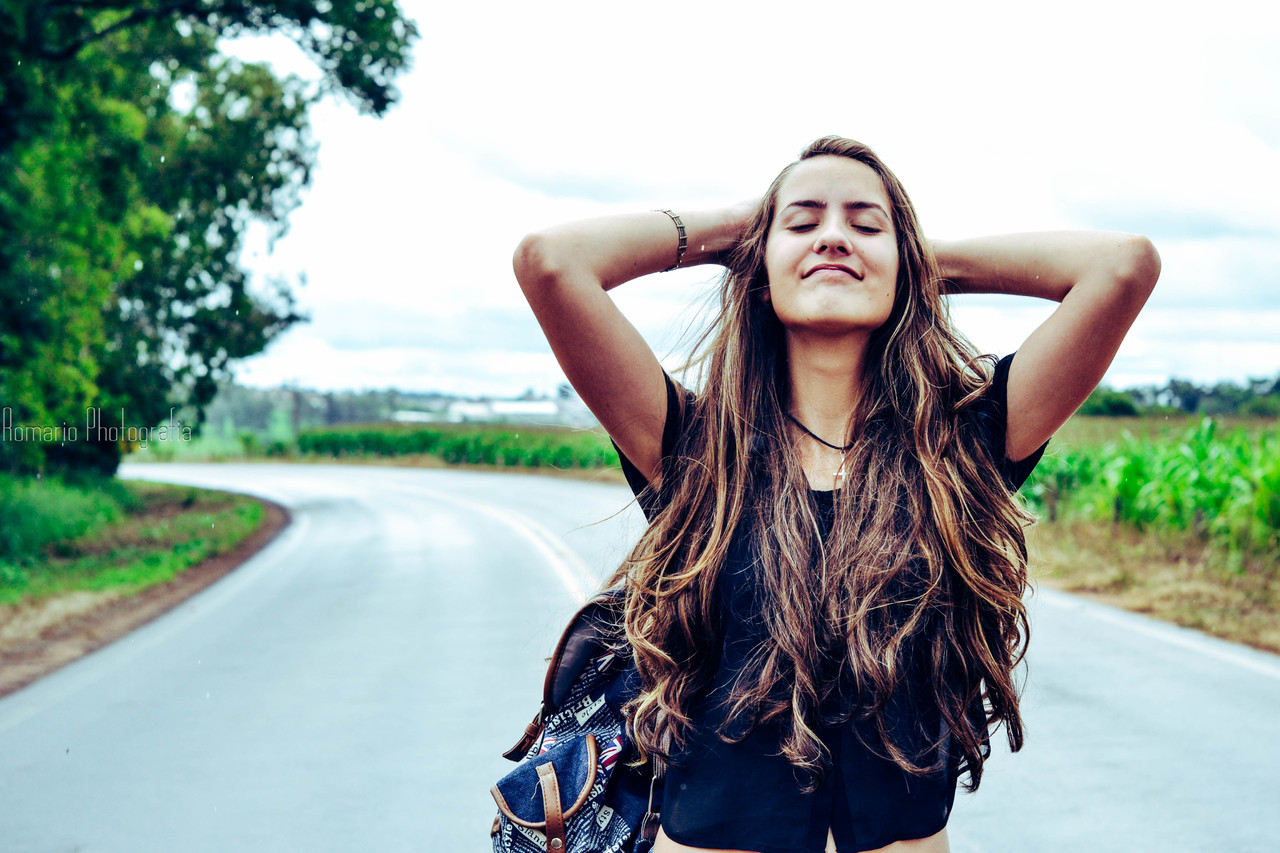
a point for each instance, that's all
(67, 51)
(86, 4)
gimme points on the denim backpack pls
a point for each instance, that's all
(576, 788)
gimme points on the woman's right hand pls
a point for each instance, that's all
(736, 217)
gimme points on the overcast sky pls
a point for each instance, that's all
(997, 118)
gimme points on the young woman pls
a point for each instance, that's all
(826, 607)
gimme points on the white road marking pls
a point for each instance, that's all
(574, 574)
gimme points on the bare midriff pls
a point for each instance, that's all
(936, 843)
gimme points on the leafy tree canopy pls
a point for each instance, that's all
(133, 157)
(1256, 398)
(1104, 401)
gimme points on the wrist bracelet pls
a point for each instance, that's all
(684, 239)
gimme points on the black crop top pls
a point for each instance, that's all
(745, 795)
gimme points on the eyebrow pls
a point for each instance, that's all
(814, 204)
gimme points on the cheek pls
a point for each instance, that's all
(887, 252)
(889, 264)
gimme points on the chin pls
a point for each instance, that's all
(834, 322)
(832, 328)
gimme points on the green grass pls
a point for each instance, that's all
(37, 512)
(209, 447)
(123, 536)
(1086, 430)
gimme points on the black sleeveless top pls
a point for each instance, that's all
(746, 795)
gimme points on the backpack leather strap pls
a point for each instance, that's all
(551, 807)
(531, 733)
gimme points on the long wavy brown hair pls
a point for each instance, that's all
(913, 600)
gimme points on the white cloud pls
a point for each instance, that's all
(997, 117)
(1242, 273)
(303, 360)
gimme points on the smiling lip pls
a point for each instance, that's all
(836, 267)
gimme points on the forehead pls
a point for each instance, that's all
(833, 180)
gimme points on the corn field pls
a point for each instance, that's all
(468, 445)
(1224, 488)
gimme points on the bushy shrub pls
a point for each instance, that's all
(35, 513)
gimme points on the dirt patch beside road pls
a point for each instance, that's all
(37, 639)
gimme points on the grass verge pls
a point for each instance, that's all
(1171, 575)
(150, 536)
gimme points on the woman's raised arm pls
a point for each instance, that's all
(1102, 280)
(565, 273)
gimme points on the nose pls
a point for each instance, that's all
(831, 239)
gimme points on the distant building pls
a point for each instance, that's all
(560, 411)
(410, 416)
(466, 411)
(523, 410)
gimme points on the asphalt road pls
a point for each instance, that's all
(351, 687)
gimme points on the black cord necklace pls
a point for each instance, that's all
(807, 432)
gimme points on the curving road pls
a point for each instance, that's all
(351, 686)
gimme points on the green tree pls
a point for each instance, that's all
(1105, 401)
(133, 157)
(1184, 394)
